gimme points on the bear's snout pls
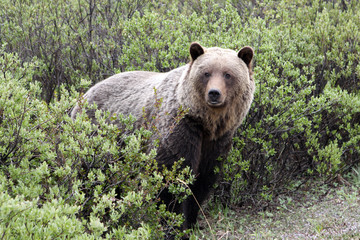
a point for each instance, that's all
(214, 95)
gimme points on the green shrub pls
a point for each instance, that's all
(303, 124)
(62, 178)
(304, 121)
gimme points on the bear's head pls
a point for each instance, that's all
(219, 74)
(218, 86)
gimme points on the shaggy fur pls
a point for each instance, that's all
(216, 88)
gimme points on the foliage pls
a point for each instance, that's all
(63, 179)
(305, 118)
(304, 121)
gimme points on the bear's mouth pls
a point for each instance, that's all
(215, 104)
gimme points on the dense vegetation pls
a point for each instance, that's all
(59, 179)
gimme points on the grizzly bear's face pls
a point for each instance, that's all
(219, 75)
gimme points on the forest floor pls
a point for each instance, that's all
(324, 212)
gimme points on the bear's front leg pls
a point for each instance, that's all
(185, 141)
(205, 176)
(191, 206)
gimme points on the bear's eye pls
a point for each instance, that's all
(207, 74)
(227, 76)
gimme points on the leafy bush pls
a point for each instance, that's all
(304, 121)
(62, 178)
(305, 118)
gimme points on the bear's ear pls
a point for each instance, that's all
(195, 51)
(246, 54)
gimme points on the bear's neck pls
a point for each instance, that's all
(218, 122)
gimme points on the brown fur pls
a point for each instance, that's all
(238, 93)
(216, 88)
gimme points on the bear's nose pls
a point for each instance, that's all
(214, 95)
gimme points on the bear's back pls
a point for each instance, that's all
(131, 92)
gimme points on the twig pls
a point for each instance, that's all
(202, 212)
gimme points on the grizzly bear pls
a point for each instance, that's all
(216, 89)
